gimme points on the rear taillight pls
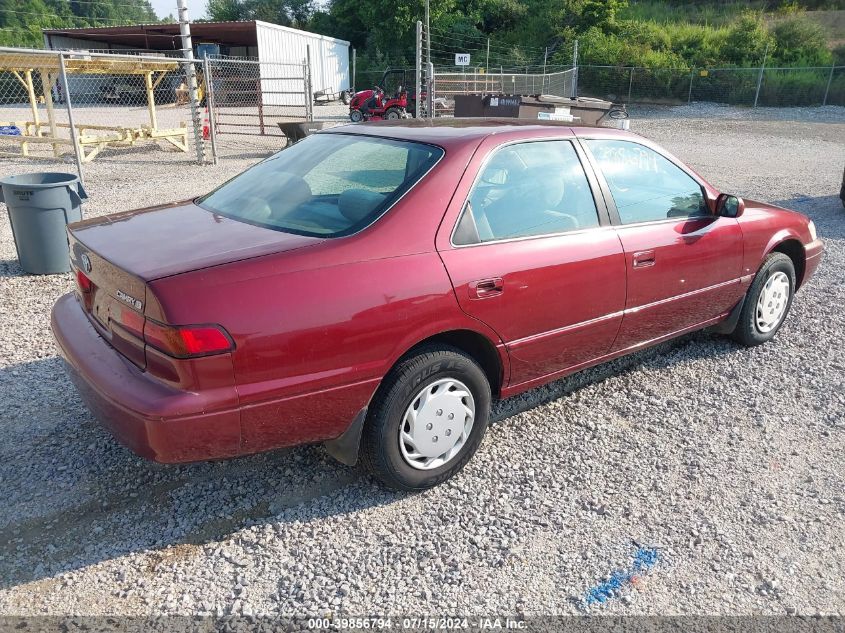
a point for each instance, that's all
(188, 340)
(129, 320)
(83, 282)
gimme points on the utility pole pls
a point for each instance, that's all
(191, 75)
(418, 71)
(427, 32)
(575, 70)
(429, 67)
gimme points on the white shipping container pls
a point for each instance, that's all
(329, 62)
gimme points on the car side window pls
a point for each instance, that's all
(528, 189)
(645, 185)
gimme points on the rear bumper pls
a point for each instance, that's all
(153, 419)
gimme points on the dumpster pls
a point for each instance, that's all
(40, 207)
(576, 110)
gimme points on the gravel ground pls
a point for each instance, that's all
(723, 464)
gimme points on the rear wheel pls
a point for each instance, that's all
(427, 420)
(767, 302)
(393, 114)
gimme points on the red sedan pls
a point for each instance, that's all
(374, 286)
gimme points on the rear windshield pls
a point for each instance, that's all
(327, 185)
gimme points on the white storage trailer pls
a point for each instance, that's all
(262, 41)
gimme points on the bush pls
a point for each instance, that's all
(801, 42)
(747, 40)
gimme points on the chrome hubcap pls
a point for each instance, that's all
(771, 306)
(436, 424)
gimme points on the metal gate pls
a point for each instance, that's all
(249, 98)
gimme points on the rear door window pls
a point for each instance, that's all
(528, 189)
(327, 185)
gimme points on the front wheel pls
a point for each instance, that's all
(767, 302)
(427, 419)
(356, 116)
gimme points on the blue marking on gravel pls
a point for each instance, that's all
(645, 558)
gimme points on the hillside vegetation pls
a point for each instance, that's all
(674, 34)
(21, 21)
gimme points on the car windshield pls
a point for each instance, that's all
(327, 185)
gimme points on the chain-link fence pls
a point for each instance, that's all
(86, 106)
(475, 64)
(776, 87)
(465, 64)
(92, 106)
(249, 99)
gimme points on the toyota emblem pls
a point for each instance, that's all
(86, 263)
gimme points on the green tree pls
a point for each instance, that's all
(296, 13)
(21, 21)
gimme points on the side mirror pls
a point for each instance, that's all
(729, 206)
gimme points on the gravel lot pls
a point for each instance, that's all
(726, 462)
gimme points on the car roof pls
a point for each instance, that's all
(452, 131)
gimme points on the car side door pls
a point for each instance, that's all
(683, 262)
(531, 253)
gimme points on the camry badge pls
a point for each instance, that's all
(86, 263)
(135, 303)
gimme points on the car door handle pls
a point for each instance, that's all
(643, 259)
(484, 288)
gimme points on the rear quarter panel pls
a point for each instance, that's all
(313, 345)
(317, 329)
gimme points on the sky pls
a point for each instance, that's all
(163, 8)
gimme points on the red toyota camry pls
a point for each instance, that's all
(374, 286)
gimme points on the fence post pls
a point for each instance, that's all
(760, 76)
(827, 88)
(689, 94)
(545, 60)
(487, 66)
(309, 95)
(418, 70)
(209, 104)
(352, 87)
(575, 69)
(76, 150)
(430, 92)
(630, 85)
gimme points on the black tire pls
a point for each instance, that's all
(356, 116)
(380, 452)
(393, 114)
(345, 97)
(747, 331)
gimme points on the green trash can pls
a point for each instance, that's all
(40, 207)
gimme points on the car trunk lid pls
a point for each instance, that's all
(113, 299)
(171, 239)
(119, 254)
